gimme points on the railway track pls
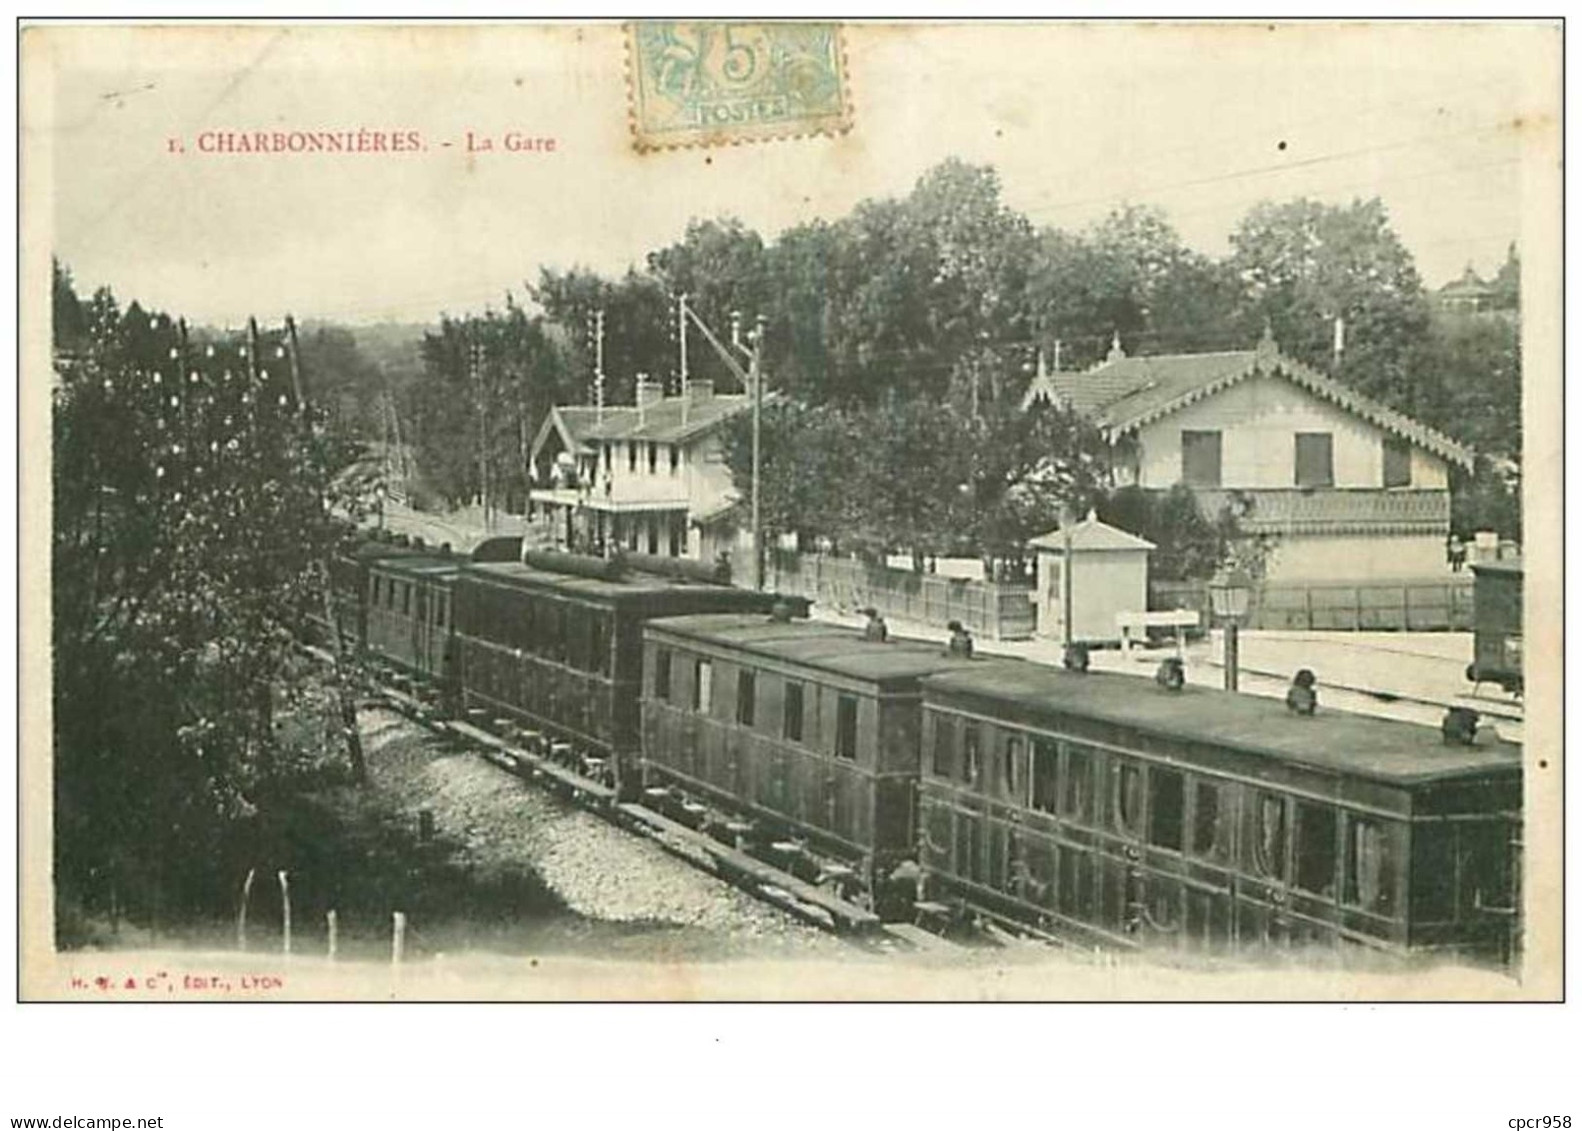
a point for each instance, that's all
(809, 903)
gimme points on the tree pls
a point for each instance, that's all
(1129, 275)
(490, 381)
(1304, 264)
(193, 503)
(1188, 545)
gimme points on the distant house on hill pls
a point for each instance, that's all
(1348, 489)
(648, 477)
(1467, 295)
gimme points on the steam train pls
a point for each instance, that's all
(919, 784)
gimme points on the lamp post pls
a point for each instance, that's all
(1229, 594)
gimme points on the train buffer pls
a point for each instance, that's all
(656, 793)
(835, 871)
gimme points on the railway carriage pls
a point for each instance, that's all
(1102, 808)
(803, 735)
(1497, 624)
(552, 645)
(408, 613)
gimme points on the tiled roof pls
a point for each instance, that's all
(663, 421)
(1091, 534)
(1124, 393)
(1333, 511)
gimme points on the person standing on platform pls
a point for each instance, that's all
(875, 629)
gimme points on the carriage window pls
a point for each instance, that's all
(971, 753)
(422, 605)
(1010, 775)
(1077, 795)
(442, 611)
(406, 598)
(791, 723)
(1046, 775)
(1268, 841)
(1208, 830)
(631, 455)
(375, 590)
(653, 457)
(944, 752)
(1317, 847)
(846, 726)
(661, 673)
(1166, 807)
(746, 697)
(1128, 796)
(702, 686)
(1370, 882)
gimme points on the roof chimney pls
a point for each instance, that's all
(1116, 352)
(648, 390)
(699, 390)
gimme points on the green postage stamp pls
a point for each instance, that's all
(718, 83)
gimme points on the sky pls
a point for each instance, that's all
(1201, 121)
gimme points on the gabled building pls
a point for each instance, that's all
(1346, 488)
(648, 477)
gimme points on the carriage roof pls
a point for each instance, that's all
(424, 565)
(1337, 741)
(629, 588)
(817, 645)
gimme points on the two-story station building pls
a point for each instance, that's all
(648, 477)
(1347, 488)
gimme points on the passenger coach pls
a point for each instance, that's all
(802, 734)
(553, 644)
(1105, 808)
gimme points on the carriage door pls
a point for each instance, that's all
(1143, 895)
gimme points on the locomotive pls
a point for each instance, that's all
(919, 783)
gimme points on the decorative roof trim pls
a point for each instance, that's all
(1304, 376)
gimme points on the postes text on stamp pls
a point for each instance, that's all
(719, 83)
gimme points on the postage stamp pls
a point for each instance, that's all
(700, 83)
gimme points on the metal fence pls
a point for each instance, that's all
(1408, 605)
(994, 610)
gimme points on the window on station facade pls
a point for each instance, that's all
(661, 673)
(944, 746)
(702, 686)
(631, 455)
(1166, 807)
(1397, 462)
(1315, 459)
(1317, 847)
(846, 726)
(746, 697)
(1076, 798)
(1010, 766)
(653, 457)
(1046, 775)
(406, 598)
(675, 458)
(1268, 834)
(374, 592)
(1370, 867)
(791, 721)
(1200, 458)
(971, 753)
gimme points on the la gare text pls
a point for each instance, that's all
(359, 141)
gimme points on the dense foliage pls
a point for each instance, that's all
(193, 493)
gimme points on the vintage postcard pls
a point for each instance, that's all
(686, 510)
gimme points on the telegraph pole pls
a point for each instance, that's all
(681, 334)
(755, 388)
